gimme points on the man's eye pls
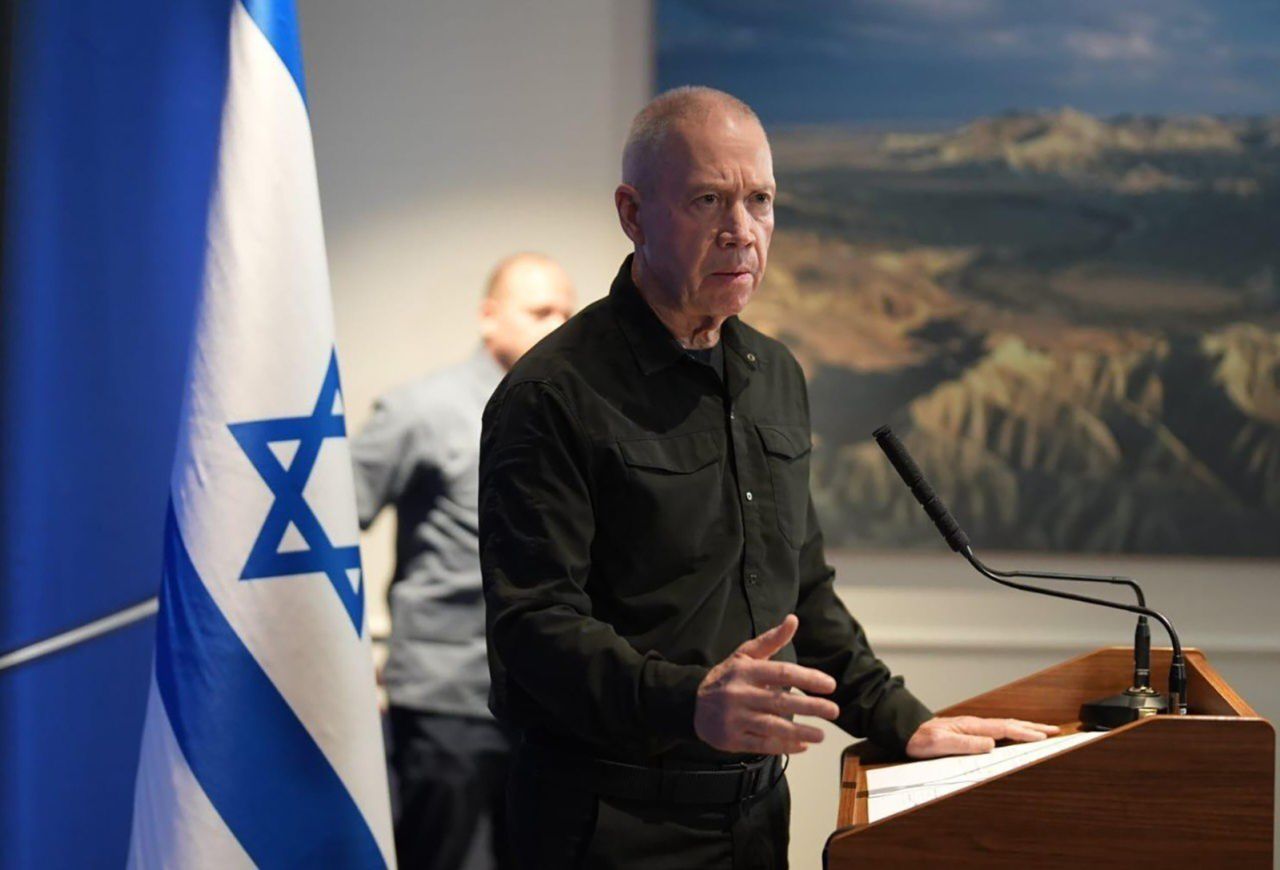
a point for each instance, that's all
(708, 199)
(763, 198)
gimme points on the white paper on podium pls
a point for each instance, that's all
(891, 790)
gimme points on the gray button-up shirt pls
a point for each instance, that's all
(420, 452)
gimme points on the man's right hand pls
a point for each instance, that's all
(745, 703)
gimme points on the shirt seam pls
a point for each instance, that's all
(578, 426)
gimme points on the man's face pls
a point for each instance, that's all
(707, 217)
(532, 299)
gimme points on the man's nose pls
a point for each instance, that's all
(736, 232)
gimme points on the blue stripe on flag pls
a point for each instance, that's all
(278, 21)
(251, 754)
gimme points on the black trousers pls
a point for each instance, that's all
(554, 825)
(451, 774)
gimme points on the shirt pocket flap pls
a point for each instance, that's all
(680, 454)
(786, 440)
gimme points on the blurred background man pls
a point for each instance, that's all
(419, 453)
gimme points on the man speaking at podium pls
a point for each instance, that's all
(659, 608)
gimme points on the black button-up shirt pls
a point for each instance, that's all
(640, 517)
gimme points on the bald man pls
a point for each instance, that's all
(420, 453)
(660, 609)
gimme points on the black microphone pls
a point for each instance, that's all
(955, 536)
(920, 488)
(1140, 700)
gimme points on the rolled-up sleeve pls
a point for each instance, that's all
(536, 531)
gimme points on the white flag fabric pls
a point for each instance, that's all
(262, 745)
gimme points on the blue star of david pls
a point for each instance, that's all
(289, 507)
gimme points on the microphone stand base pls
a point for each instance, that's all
(1129, 706)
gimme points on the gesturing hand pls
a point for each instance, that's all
(745, 703)
(970, 735)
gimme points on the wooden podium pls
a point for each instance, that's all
(1172, 791)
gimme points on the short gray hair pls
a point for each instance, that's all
(654, 122)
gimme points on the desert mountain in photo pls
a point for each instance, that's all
(1073, 323)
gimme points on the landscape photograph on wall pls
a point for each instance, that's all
(1041, 241)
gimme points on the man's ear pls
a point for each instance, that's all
(627, 200)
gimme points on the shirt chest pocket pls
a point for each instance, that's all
(672, 492)
(787, 448)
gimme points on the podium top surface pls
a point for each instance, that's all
(1202, 785)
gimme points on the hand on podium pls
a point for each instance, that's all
(745, 703)
(971, 735)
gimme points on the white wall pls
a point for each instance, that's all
(451, 134)
(448, 135)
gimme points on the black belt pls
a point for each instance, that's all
(727, 784)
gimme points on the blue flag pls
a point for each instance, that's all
(262, 743)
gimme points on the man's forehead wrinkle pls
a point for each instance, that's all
(722, 169)
(727, 177)
(718, 161)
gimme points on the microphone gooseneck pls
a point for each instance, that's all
(959, 542)
(1141, 634)
(1177, 667)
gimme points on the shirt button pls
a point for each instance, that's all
(751, 578)
(751, 358)
(749, 495)
(732, 415)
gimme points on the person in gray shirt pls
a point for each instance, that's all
(420, 453)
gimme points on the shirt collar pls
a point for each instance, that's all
(651, 342)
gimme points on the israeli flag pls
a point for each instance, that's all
(262, 743)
